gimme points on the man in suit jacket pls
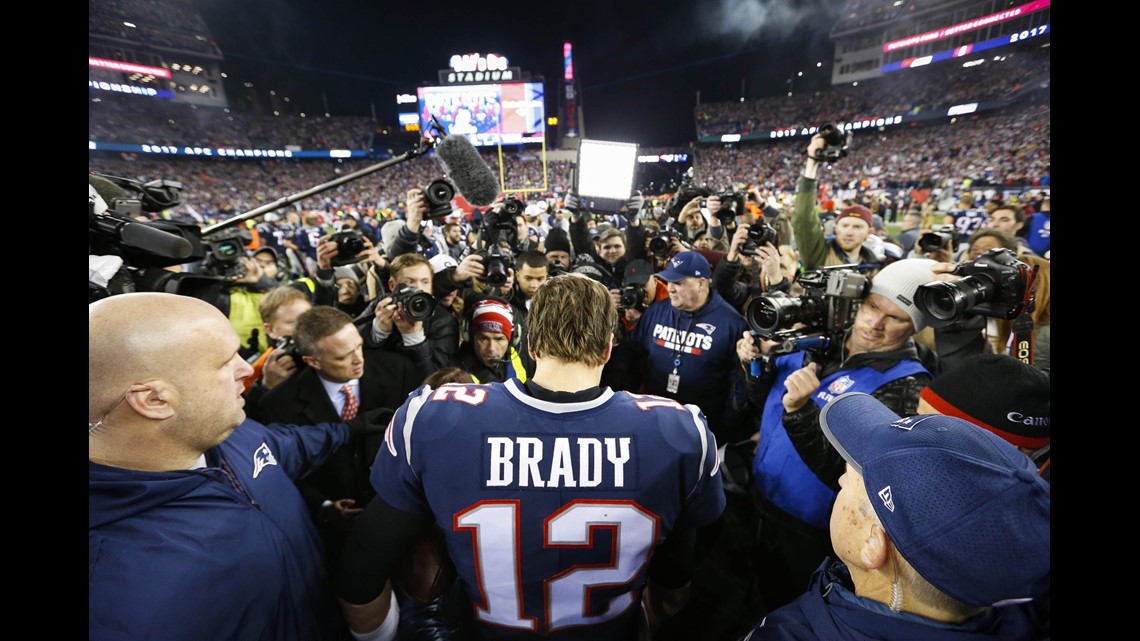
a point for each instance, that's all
(334, 351)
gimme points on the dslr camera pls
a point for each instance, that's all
(686, 193)
(223, 258)
(731, 206)
(349, 243)
(939, 237)
(631, 297)
(659, 245)
(837, 142)
(995, 284)
(438, 195)
(287, 347)
(418, 304)
(759, 233)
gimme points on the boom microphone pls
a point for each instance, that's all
(467, 169)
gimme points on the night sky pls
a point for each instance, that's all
(640, 63)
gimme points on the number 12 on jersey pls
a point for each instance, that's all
(494, 527)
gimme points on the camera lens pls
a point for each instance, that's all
(770, 312)
(351, 246)
(946, 301)
(439, 192)
(419, 306)
(496, 273)
(659, 245)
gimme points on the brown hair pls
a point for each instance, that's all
(448, 375)
(315, 324)
(273, 299)
(572, 319)
(403, 261)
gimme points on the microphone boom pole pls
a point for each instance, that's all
(426, 144)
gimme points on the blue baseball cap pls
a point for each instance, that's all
(684, 265)
(964, 507)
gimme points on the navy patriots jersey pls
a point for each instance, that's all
(551, 510)
(969, 221)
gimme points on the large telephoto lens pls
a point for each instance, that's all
(947, 301)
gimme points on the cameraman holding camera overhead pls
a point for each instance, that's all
(751, 266)
(795, 470)
(852, 225)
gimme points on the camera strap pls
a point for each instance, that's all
(1022, 330)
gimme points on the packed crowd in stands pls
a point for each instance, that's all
(1006, 148)
(125, 119)
(900, 92)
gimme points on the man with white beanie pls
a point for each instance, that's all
(795, 470)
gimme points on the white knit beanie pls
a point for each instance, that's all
(898, 283)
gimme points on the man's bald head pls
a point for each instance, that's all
(166, 380)
(133, 338)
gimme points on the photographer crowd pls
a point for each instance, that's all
(801, 341)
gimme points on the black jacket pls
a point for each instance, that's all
(301, 399)
(438, 349)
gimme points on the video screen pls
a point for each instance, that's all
(490, 114)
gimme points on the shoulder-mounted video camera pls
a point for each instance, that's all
(995, 284)
(224, 252)
(836, 140)
(827, 303)
(498, 241)
(826, 310)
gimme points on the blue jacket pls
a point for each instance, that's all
(226, 552)
(778, 470)
(704, 341)
(830, 610)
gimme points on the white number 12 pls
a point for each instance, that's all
(494, 527)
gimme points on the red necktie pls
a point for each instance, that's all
(351, 407)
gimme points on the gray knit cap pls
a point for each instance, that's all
(898, 283)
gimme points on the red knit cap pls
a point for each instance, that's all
(829, 205)
(492, 317)
(856, 211)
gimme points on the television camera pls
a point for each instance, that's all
(498, 241)
(815, 321)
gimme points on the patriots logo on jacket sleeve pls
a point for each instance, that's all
(262, 457)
